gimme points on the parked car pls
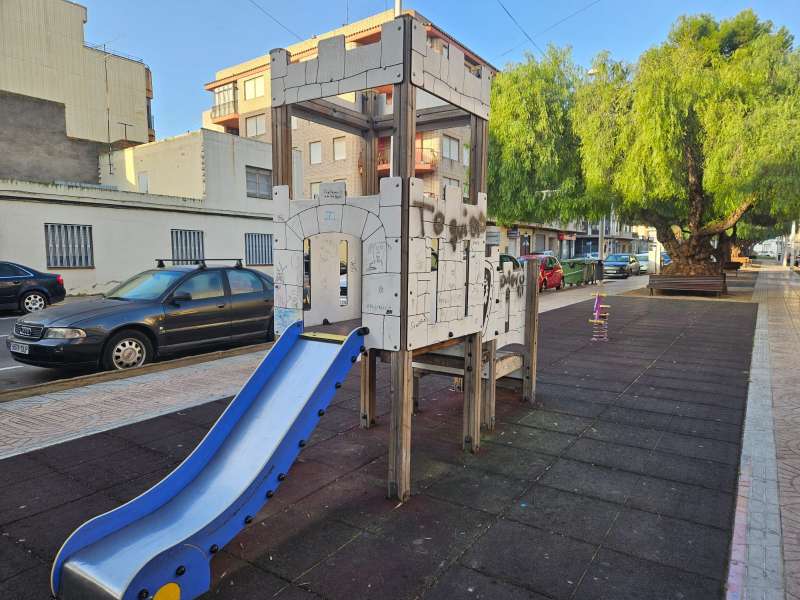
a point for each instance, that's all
(644, 262)
(665, 259)
(621, 265)
(551, 275)
(28, 290)
(155, 313)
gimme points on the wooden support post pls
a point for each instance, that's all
(282, 146)
(404, 108)
(415, 392)
(471, 438)
(369, 173)
(490, 387)
(368, 377)
(478, 157)
(400, 427)
(531, 331)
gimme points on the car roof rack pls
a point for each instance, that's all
(201, 262)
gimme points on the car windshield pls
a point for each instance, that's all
(617, 258)
(145, 286)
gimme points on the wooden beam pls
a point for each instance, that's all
(282, 147)
(436, 346)
(471, 438)
(369, 168)
(399, 480)
(330, 114)
(531, 331)
(489, 387)
(478, 154)
(404, 105)
(368, 377)
(427, 119)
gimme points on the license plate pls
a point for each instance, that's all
(19, 348)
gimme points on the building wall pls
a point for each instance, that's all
(42, 54)
(129, 231)
(203, 164)
(174, 167)
(34, 145)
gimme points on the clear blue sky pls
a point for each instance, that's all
(185, 41)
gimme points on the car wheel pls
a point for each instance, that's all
(33, 302)
(543, 285)
(127, 349)
(560, 285)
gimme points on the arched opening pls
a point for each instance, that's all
(331, 278)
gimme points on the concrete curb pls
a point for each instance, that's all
(84, 380)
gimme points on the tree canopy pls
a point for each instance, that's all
(702, 131)
(534, 167)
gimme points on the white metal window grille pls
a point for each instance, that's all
(69, 246)
(187, 246)
(258, 249)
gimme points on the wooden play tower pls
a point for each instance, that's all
(435, 298)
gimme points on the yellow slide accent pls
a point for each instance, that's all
(323, 337)
(171, 591)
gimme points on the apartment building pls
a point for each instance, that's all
(618, 236)
(62, 100)
(520, 239)
(241, 106)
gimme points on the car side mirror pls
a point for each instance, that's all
(181, 297)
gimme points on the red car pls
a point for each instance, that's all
(551, 275)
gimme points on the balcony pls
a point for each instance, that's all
(226, 113)
(425, 160)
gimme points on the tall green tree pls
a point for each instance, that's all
(534, 168)
(701, 132)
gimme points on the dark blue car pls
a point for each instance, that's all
(621, 265)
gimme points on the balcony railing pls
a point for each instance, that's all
(223, 109)
(423, 157)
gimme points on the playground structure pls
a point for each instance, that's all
(422, 293)
(431, 296)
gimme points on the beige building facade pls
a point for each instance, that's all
(43, 55)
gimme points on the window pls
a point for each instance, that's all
(254, 88)
(465, 155)
(187, 246)
(258, 249)
(339, 148)
(255, 125)
(144, 182)
(449, 147)
(465, 188)
(203, 286)
(243, 282)
(315, 190)
(224, 100)
(446, 181)
(343, 272)
(69, 246)
(315, 153)
(294, 122)
(259, 182)
(9, 270)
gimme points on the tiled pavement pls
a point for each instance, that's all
(620, 484)
(778, 367)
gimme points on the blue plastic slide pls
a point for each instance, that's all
(159, 545)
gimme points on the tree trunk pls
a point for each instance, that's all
(691, 257)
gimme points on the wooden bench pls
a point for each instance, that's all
(701, 283)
